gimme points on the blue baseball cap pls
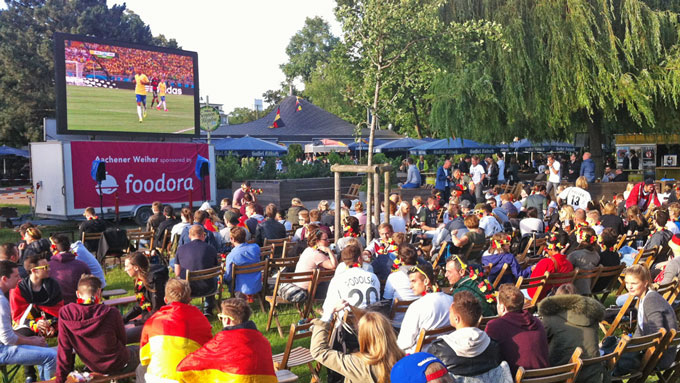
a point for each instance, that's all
(411, 369)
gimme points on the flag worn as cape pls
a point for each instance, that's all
(240, 354)
(169, 335)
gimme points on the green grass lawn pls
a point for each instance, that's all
(116, 110)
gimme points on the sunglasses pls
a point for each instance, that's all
(415, 269)
(45, 267)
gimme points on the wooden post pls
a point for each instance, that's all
(337, 207)
(387, 196)
(376, 197)
(369, 217)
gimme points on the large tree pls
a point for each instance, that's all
(592, 66)
(308, 47)
(27, 27)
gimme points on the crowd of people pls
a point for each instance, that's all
(439, 253)
(128, 61)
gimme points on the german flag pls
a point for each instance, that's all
(278, 121)
(298, 105)
(240, 355)
(169, 335)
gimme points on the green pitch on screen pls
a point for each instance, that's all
(115, 110)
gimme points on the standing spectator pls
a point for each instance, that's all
(17, 348)
(468, 351)
(587, 168)
(520, 335)
(412, 177)
(573, 167)
(501, 168)
(242, 254)
(553, 172)
(443, 178)
(478, 175)
(571, 321)
(65, 268)
(92, 224)
(198, 255)
(173, 332)
(429, 312)
(95, 333)
(269, 228)
(156, 218)
(577, 196)
(512, 172)
(238, 353)
(378, 350)
(492, 171)
(423, 167)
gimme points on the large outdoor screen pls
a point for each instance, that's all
(106, 87)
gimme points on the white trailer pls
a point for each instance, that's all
(137, 174)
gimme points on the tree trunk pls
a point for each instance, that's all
(416, 117)
(595, 127)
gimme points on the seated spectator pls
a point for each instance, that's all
(531, 224)
(412, 176)
(421, 367)
(316, 255)
(200, 217)
(303, 220)
(576, 196)
(35, 303)
(315, 219)
(499, 255)
(10, 252)
(350, 230)
(243, 254)
(296, 206)
(365, 287)
(244, 354)
(660, 235)
(269, 228)
(593, 220)
(571, 321)
(398, 285)
(398, 223)
(198, 255)
(488, 222)
(608, 256)
(378, 350)
(584, 257)
(519, 334)
(428, 216)
(556, 262)
(35, 245)
(464, 278)
(326, 215)
(185, 221)
(474, 236)
(654, 314)
(429, 312)
(381, 252)
(281, 218)
(84, 255)
(149, 289)
(165, 225)
(673, 224)
(468, 351)
(95, 333)
(610, 219)
(92, 224)
(156, 218)
(16, 348)
(173, 332)
(65, 268)
(360, 214)
(537, 200)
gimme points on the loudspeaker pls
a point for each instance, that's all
(205, 170)
(98, 172)
(202, 167)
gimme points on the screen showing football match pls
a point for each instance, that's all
(105, 87)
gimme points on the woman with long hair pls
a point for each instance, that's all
(636, 223)
(187, 218)
(585, 256)
(149, 290)
(378, 350)
(35, 244)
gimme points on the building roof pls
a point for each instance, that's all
(303, 126)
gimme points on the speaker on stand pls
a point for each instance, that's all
(202, 171)
(98, 174)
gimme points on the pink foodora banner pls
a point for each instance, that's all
(139, 172)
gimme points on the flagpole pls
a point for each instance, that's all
(207, 102)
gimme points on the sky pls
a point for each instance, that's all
(240, 44)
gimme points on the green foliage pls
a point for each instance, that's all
(295, 151)
(241, 115)
(27, 49)
(307, 48)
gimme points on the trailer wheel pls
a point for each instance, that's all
(142, 215)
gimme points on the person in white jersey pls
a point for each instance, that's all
(577, 196)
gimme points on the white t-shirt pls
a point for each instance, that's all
(476, 172)
(576, 197)
(530, 225)
(429, 312)
(398, 287)
(357, 286)
(552, 177)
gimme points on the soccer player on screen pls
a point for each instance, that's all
(140, 93)
(161, 89)
(154, 87)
